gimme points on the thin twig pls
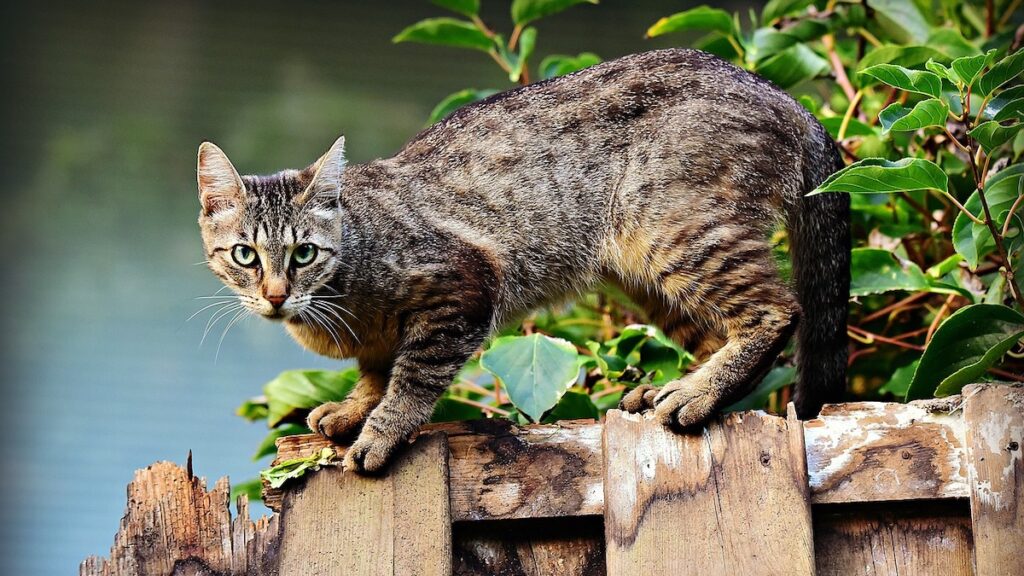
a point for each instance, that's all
(938, 317)
(837, 66)
(871, 337)
(902, 303)
(482, 406)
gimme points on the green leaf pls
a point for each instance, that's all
(296, 467)
(527, 42)
(876, 271)
(901, 19)
(793, 65)
(853, 128)
(467, 8)
(967, 344)
(930, 112)
(574, 405)
(1005, 70)
(526, 11)
(951, 42)
(776, 9)
(880, 176)
(967, 68)
(253, 409)
(252, 488)
(918, 81)
(905, 56)
(297, 390)
(456, 100)
(899, 383)
(992, 134)
(942, 72)
(973, 241)
(446, 32)
(536, 370)
(699, 18)
(448, 410)
(269, 444)
(1007, 106)
(777, 378)
(561, 64)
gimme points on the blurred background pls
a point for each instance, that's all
(105, 105)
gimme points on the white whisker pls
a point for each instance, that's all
(314, 306)
(243, 313)
(207, 307)
(216, 317)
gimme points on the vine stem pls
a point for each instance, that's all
(849, 114)
(1010, 11)
(514, 38)
(482, 406)
(862, 335)
(1009, 215)
(938, 317)
(837, 66)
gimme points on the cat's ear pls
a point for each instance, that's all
(325, 186)
(220, 186)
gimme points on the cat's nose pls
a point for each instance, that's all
(276, 299)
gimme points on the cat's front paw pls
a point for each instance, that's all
(639, 399)
(370, 453)
(337, 420)
(684, 403)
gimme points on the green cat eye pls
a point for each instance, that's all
(303, 254)
(245, 256)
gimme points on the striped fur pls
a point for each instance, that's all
(663, 172)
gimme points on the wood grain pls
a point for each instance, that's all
(901, 539)
(731, 499)
(874, 451)
(542, 547)
(994, 417)
(338, 522)
(174, 526)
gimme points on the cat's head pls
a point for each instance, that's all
(274, 240)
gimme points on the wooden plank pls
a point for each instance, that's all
(338, 522)
(874, 451)
(730, 500)
(501, 471)
(174, 526)
(994, 417)
(901, 539)
(572, 546)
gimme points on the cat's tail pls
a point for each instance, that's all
(820, 248)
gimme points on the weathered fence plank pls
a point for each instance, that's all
(341, 523)
(730, 500)
(174, 526)
(994, 418)
(874, 451)
(905, 539)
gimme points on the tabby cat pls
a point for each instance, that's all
(663, 173)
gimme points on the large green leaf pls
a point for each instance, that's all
(901, 19)
(967, 344)
(967, 69)
(574, 405)
(526, 11)
(464, 7)
(699, 18)
(880, 176)
(973, 241)
(269, 444)
(1005, 70)
(875, 271)
(446, 32)
(952, 42)
(776, 9)
(536, 370)
(930, 112)
(905, 56)
(297, 390)
(561, 64)
(992, 134)
(1008, 105)
(899, 383)
(793, 65)
(251, 488)
(920, 81)
(455, 101)
(448, 410)
(777, 378)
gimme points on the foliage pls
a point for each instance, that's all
(926, 106)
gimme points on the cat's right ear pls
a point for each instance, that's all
(220, 186)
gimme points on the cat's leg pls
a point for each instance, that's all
(740, 289)
(341, 421)
(436, 344)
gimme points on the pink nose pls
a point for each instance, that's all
(276, 299)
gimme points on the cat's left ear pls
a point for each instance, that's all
(220, 186)
(325, 186)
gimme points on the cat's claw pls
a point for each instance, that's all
(682, 404)
(336, 420)
(369, 454)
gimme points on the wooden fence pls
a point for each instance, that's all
(866, 488)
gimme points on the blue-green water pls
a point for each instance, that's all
(105, 105)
